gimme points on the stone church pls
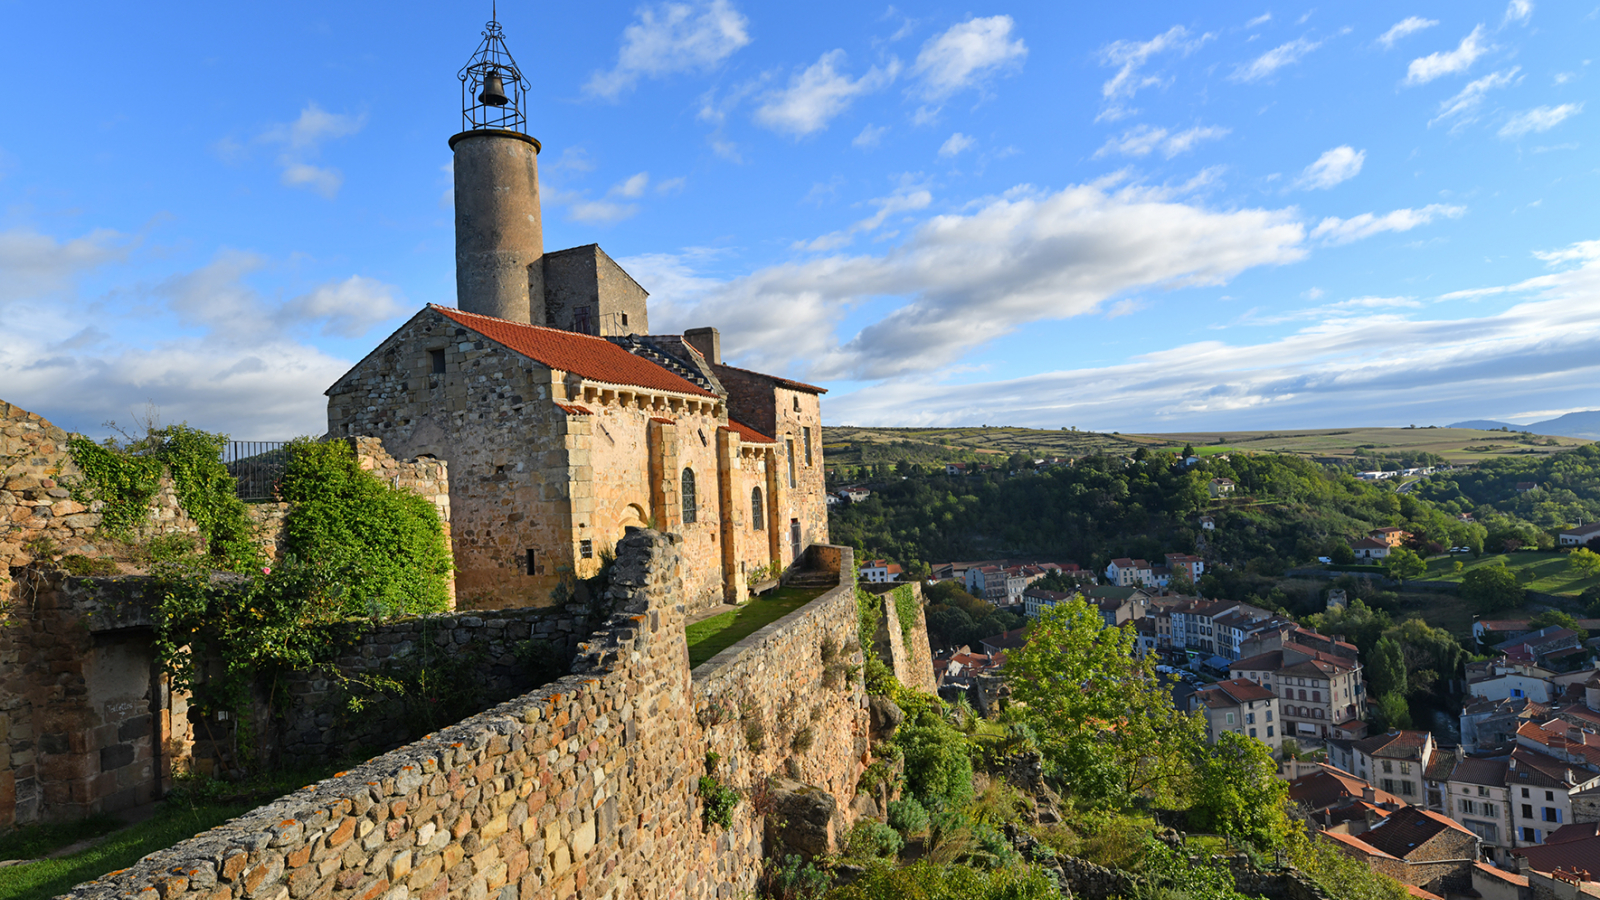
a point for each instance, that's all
(563, 420)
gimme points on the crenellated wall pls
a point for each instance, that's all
(584, 788)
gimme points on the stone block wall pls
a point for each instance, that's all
(584, 788)
(318, 725)
(788, 700)
(87, 724)
(911, 659)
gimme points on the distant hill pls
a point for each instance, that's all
(1576, 424)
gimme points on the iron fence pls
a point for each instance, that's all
(257, 466)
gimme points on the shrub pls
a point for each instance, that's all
(932, 881)
(872, 839)
(793, 879)
(907, 816)
(938, 761)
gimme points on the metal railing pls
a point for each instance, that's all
(257, 466)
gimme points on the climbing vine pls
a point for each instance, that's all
(125, 476)
(905, 609)
(121, 478)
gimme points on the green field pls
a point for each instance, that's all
(1550, 572)
(1457, 445)
(708, 637)
(856, 446)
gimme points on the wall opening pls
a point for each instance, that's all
(690, 512)
(437, 357)
(533, 562)
(757, 511)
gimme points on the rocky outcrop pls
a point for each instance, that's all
(804, 820)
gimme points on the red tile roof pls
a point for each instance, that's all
(1578, 855)
(662, 420)
(747, 434)
(1500, 874)
(786, 382)
(573, 410)
(1347, 842)
(1329, 786)
(591, 357)
(1407, 829)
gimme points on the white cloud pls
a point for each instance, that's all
(1130, 57)
(206, 346)
(632, 187)
(816, 95)
(1334, 230)
(1262, 19)
(1332, 167)
(1426, 68)
(1540, 118)
(1142, 140)
(870, 136)
(966, 55)
(1271, 61)
(672, 38)
(301, 141)
(1464, 104)
(955, 144)
(1382, 365)
(961, 280)
(1408, 25)
(908, 197)
(672, 185)
(1517, 11)
(38, 265)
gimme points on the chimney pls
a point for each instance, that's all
(707, 341)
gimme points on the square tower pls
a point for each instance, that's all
(587, 292)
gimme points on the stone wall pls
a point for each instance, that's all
(318, 724)
(786, 700)
(583, 788)
(911, 659)
(87, 724)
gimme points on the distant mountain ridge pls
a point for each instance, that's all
(1584, 424)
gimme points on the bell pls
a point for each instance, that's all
(494, 92)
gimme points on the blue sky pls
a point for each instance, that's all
(1137, 217)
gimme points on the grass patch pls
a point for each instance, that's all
(708, 637)
(1550, 572)
(175, 822)
(1447, 611)
(194, 807)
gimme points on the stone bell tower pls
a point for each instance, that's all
(499, 238)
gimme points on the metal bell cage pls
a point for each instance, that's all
(493, 92)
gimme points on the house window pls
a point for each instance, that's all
(1406, 788)
(1269, 731)
(757, 511)
(586, 549)
(1524, 792)
(1252, 732)
(1527, 811)
(796, 404)
(1530, 835)
(807, 433)
(1388, 785)
(1229, 717)
(1405, 768)
(1551, 814)
(1516, 692)
(1549, 795)
(437, 358)
(789, 444)
(690, 511)
(1489, 809)
(624, 320)
(1316, 696)
(1250, 719)
(1388, 766)
(533, 562)
(1482, 791)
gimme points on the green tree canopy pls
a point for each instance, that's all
(1238, 792)
(1404, 563)
(1492, 589)
(1105, 722)
(1585, 561)
(1557, 617)
(1386, 668)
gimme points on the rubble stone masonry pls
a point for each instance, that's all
(584, 788)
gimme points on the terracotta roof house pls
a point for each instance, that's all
(1418, 847)
(1369, 549)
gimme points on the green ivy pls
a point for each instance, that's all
(388, 542)
(126, 477)
(717, 798)
(124, 482)
(905, 609)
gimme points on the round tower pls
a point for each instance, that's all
(499, 238)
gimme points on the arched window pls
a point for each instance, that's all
(758, 518)
(689, 508)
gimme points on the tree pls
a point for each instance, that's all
(1106, 724)
(1188, 450)
(1427, 648)
(1386, 669)
(1181, 584)
(1557, 617)
(1393, 713)
(1403, 563)
(1492, 588)
(1238, 792)
(1585, 561)
(1342, 555)
(1359, 623)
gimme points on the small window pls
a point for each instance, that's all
(624, 320)
(586, 549)
(580, 320)
(438, 361)
(533, 563)
(789, 444)
(797, 404)
(807, 433)
(690, 511)
(758, 513)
